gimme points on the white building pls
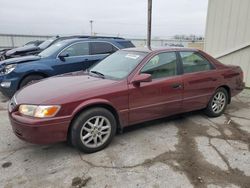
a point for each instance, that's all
(227, 35)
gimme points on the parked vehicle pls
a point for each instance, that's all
(128, 87)
(63, 57)
(35, 42)
(27, 45)
(27, 49)
(36, 48)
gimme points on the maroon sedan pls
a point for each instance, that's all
(129, 87)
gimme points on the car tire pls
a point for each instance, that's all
(30, 79)
(93, 130)
(218, 103)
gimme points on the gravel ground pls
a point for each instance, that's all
(188, 150)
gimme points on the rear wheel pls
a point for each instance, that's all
(217, 103)
(30, 79)
(93, 130)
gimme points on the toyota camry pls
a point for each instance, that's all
(128, 87)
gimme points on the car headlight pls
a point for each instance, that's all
(8, 69)
(39, 111)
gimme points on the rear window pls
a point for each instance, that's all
(102, 48)
(193, 62)
(126, 44)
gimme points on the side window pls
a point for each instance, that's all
(126, 44)
(192, 62)
(78, 49)
(102, 48)
(161, 65)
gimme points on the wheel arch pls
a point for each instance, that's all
(32, 74)
(100, 104)
(227, 88)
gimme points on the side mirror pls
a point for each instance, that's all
(63, 56)
(141, 78)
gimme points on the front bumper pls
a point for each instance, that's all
(9, 91)
(39, 131)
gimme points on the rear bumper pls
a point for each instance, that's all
(39, 131)
(239, 88)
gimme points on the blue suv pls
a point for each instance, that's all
(62, 57)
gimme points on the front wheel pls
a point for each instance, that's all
(217, 103)
(30, 79)
(93, 130)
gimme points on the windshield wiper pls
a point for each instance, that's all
(98, 73)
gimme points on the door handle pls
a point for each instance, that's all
(176, 85)
(86, 59)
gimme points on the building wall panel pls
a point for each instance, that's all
(227, 28)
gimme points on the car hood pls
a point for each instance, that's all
(3, 51)
(64, 89)
(27, 48)
(19, 60)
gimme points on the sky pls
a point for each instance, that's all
(127, 18)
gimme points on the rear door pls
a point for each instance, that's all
(199, 80)
(76, 58)
(160, 97)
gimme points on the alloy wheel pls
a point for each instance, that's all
(95, 131)
(218, 102)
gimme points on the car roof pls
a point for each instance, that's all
(159, 49)
(73, 40)
(82, 38)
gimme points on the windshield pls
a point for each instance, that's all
(46, 43)
(51, 50)
(118, 65)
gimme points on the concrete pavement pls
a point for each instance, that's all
(189, 150)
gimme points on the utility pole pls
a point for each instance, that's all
(149, 23)
(91, 27)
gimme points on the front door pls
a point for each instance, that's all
(160, 97)
(74, 58)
